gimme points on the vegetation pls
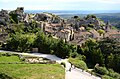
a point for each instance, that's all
(78, 63)
(48, 44)
(20, 42)
(63, 63)
(92, 16)
(100, 31)
(105, 53)
(29, 71)
(4, 76)
(110, 48)
(101, 70)
(91, 25)
(106, 74)
(7, 59)
(92, 52)
(23, 39)
(13, 16)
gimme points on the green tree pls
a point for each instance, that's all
(14, 16)
(110, 48)
(20, 42)
(100, 31)
(92, 52)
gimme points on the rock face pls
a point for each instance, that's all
(17, 15)
(48, 17)
(4, 17)
(20, 12)
(89, 21)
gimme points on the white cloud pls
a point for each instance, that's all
(62, 1)
(60, 4)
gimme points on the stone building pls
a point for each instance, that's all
(66, 34)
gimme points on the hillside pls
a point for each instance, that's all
(88, 38)
(114, 18)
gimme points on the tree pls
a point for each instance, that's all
(14, 16)
(25, 42)
(100, 31)
(92, 52)
(110, 48)
(20, 42)
(63, 49)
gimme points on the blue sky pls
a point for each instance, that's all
(61, 4)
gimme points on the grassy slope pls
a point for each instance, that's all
(31, 71)
(7, 59)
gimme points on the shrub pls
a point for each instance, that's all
(100, 31)
(4, 76)
(63, 63)
(74, 54)
(101, 70)
(0, 54)
(107, 77)
(88, 28)
(22, 59)
(114, 74)
(5, 54)
(81, 57)
(91, 25)
(78, 63)
(8, 54)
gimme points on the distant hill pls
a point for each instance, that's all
(114, 18)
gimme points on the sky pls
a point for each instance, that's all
(61, 4)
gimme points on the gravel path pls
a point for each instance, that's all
(73, 74)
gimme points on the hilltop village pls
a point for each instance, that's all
(86, 43)
(74, 30)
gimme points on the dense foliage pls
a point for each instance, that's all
(47, 44)
(92, 52)
(106, 73)
(20, 42)
(78, 63)
(104, 52)
(23, 39)
(110, 48)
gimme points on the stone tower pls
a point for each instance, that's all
(108, 26)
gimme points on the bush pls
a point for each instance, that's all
(78, 63)
(22, 59)
(101, 70)
(8, 54)
(74, 54)
(107, 77)
(114, 74)
(4, 76)
(5, 54)
(0, 54)
(63, 63)
(81, 57)
(100, 31)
